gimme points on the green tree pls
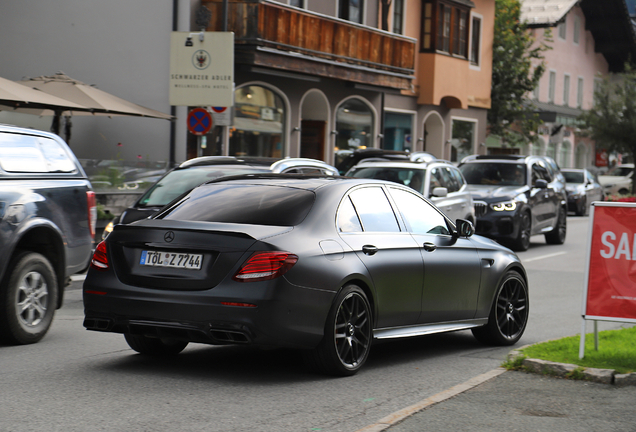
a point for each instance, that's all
(511, 116)
(611, 122)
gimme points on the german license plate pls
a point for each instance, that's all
(171, 259)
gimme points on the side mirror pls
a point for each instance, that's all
(465, 228)
(541, 184)
(439, 192)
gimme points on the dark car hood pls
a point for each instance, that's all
(496, 193)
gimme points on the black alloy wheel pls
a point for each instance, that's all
(557, 235)
(522, 242)
(155, 346)
(28, 300)
(348, 335)
(509, 314)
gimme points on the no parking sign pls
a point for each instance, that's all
(199, 121)
(610, 279)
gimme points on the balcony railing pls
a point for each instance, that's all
(259, 24)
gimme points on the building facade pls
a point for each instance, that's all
(589, 41)
(313, 78)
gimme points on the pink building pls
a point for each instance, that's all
(590, 39)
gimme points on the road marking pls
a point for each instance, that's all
(398, 416)
(543, 257)
(79, 277)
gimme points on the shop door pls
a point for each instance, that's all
(312, 139)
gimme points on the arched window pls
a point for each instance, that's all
(259, 123)
(354, 124)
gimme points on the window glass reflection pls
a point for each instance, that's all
(258, 129)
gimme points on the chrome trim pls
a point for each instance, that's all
(424, 329)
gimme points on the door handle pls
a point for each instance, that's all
(369, 250)
(429, 247)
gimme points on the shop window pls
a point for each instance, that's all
(451, 31)
(259, 123)
(354, 126)
(297, 3)
(397, 131)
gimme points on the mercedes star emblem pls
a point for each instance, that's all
(169, 236)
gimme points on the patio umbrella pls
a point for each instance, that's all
(15, 96)
(94, 100)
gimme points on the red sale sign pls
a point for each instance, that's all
(610, 289)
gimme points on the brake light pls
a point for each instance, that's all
(92, 212)
(264, 266)
(100, 257)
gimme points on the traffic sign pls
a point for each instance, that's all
(199, 121)
(219, 110)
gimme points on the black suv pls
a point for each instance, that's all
(47, 224)
(517, 197)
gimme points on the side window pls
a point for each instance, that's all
(448, 181)
(436, 179)
(348, 218)
(30, 154)
(374, 210)
(539, 172)
(421, 217)
(459, 178)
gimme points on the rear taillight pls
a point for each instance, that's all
(92, 212)
(100, 257)
(264, 266)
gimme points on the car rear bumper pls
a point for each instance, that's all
(270, 313)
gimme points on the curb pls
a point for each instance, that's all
(400, 415)
(570, 371)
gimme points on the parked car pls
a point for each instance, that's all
(199, 170)
(321, 264)
(583, 188)
(47, 224)
(439, 181)
(347, 159)
(516, 197)
(618, 180)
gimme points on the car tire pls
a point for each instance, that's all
(348, 335)
(28, 299)
(581, 209)
(509, 313)
(522, 242)
(155, 346)
(557, 235)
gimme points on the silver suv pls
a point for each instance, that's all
(439, 181)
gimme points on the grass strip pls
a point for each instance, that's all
(616, 350)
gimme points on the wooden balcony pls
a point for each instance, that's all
(274, 35)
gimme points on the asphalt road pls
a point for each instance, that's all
(75, 380)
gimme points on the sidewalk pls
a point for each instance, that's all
(519, 401)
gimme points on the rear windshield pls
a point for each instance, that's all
(406, 176)
(244, 204)
(573, 176)
(178, 182)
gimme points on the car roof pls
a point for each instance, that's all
(301, 181)
(400, 164)
(273, 164)
(227, 160)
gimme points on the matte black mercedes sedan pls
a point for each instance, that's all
(322, 264)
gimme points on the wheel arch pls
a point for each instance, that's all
(47, 240)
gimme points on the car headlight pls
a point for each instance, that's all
(108, 230)
(504, 206)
